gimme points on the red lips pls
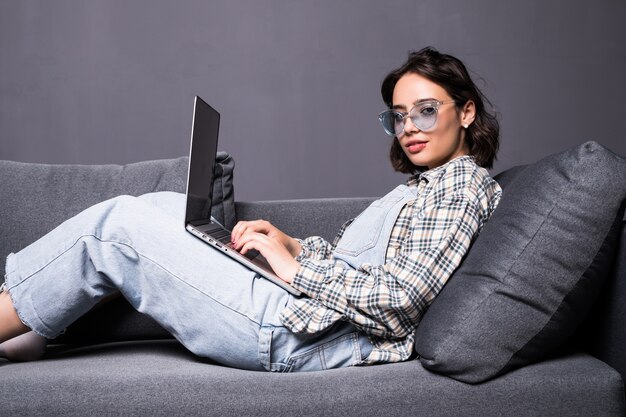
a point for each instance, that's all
(415, 146)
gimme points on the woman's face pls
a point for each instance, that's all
(446, 139)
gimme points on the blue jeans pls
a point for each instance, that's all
(215, 307)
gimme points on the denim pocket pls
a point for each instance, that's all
(338, 353)
(363, 233)
(283, 351)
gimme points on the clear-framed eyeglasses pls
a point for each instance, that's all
(423, 116)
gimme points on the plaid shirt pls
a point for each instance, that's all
(428, 241)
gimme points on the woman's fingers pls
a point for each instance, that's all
(255, 241)
(268, 229)
(245, 241)
(238, 230)
(279, 258)
(243, 227)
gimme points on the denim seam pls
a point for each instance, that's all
(53, 258)
(265, 346)
(357, 356)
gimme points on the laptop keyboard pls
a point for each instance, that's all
(221, 235)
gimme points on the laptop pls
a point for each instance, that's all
(198, 221)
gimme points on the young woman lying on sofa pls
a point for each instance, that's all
(364, 294)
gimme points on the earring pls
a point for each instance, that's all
(466, 125)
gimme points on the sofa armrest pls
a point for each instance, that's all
(306, 217)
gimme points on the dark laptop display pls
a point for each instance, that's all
(205, 125)
(203, 149)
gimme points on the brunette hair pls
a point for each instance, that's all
(449, 73)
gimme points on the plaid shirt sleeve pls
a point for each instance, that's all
(387, 301)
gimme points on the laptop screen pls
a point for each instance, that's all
(204, 133)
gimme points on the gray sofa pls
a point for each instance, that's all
(532, 324)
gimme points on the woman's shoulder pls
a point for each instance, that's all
(463, 176)
(461, 171)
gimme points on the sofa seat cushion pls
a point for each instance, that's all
(163, 379)
(534, 272)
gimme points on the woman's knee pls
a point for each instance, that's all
(169, 202)
(123, 209)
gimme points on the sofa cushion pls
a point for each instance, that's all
(163, 379)
(534, 271)
(604, 331)
(35, 198)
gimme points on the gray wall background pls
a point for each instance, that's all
(297, 82)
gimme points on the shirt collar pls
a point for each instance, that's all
(435, 173)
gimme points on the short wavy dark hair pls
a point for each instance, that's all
(482, 136)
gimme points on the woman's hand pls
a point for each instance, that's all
(278, 248)
(268, 229)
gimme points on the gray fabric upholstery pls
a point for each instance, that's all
(162, 379)
(604, 334)
(534, 272)
(223, 194)
(304, 218)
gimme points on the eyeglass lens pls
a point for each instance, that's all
(423, 117)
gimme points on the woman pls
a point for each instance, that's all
(364, 294)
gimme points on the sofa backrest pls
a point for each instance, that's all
(304, 218)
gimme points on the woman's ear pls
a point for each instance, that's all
(468, 113)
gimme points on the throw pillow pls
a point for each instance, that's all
(534, 271)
